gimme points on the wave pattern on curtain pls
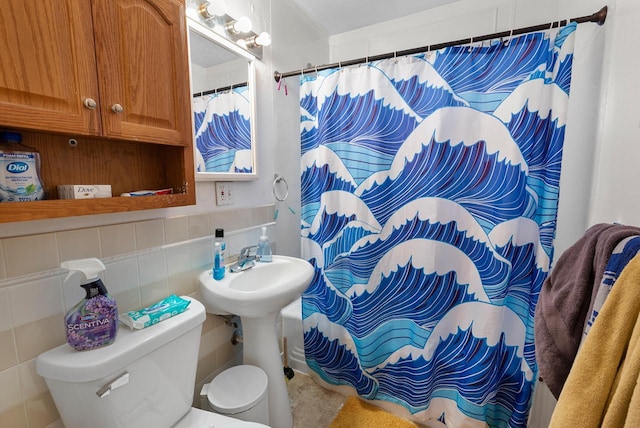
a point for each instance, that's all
(223, 131)
(429, 202)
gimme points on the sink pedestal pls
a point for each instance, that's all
(260, 342)
(257, 295)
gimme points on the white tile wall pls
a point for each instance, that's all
(116, 239)
(10, 392)
(149, 234)
(123, 282)
(153, 277)
(176, 229)
(199, 226)
(179, 274)
(3, 273)
(30, 381)
(76, 244)
(35, 300)
(200, 253)
(27, 254)
(5, 310)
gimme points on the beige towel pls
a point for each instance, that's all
(357, 413)
(602, 389)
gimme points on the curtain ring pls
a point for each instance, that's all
(428, 53)
(548, 33)
(471, 45)
(509, 39)
(274, 186)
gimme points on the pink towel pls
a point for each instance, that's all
(566, 298)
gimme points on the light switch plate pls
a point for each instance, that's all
(224, 194)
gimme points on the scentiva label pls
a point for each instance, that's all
(92, 324)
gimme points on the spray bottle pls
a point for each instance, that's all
(93, 322)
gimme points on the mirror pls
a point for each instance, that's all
(223, 105)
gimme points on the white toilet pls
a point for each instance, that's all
(144, 379)
(239, 392)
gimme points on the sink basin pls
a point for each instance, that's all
(257, 295)
(255, 292)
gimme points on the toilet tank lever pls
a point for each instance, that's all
(121, 380)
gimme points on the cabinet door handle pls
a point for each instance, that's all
(117, 108)
(90, 103)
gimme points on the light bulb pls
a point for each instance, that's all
(210, 10)
(263, 39)
(241, 25)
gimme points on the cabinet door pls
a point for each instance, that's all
(47, 66)
(141, 51)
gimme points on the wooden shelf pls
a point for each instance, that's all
(40, 210)
(125, 165)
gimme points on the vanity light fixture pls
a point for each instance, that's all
(240, 25)
(213, 15)
(262, 39)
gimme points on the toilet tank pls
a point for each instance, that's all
(150, 372)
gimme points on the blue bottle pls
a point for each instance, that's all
(219, 247)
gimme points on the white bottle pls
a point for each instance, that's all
(264, 249)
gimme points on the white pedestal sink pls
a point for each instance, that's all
(257, 295)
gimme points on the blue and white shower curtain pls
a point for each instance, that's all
(222, 122)
(429, 199)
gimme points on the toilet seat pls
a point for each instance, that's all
(197, 418)
(237, 389)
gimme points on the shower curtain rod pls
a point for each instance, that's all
(599, 17)
(224, 88)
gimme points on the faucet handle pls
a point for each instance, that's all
(247, 252)
(246, 259)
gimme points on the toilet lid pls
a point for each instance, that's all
(237, 389)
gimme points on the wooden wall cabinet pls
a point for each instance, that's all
(114, 76)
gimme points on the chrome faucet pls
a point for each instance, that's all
(246, 260)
